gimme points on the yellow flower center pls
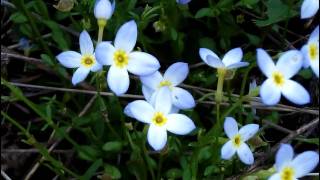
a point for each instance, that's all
(278, 78)
(159, 119)
(237, 140)
(88, 60)
(165, 83)
(313, 51)
(120, 58)
(287, 173)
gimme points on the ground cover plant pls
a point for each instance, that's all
(159, 89)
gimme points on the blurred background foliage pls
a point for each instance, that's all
(98, 141)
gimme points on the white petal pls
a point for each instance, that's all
(147, 93)
(248, 131)
(233, 56)
(210, 58)
(69, 59)
(182, 98)
(127, 111)
(118, 80)
(315, 67)
(142, 64)
(304, 163)
(295, 93)
(283, 156)
(176, 73)
(104, 53)
(245, 154)
(157, 137)
(163, 101)
(309, 8)
(79, 75)
(314, 36)
(265, 62)
(183, 1)
(103, 9)
(126, 37)
(96, 67)
(227, 151)
(86, 45)
(275, 177)
(290, 63)
(174, 110)
(270, 94)
(230, 127)
(180, 124)
(306, 59)
(237, 65)
(204, 52)
(141, 110)
(113, 6)
(152, 81)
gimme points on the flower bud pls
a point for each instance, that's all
(103, 9)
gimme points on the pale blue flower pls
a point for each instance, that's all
(122, 59)
(183, 1)
(173, 76)
(253, 85)
(279, 75)
(289, 167)
(309, 8)
(85, 62)
(160, 119)
(311, 52)
(231, 60)
(237, 144)
(103, 9)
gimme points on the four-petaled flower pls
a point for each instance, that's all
(103, 9)
(173, 76)
(85, 62)
(309, 8)
(122, 59)
(160, 119)
(289, 168)
(231, 60)
(311, 52)
(279, 75)
(237, 144)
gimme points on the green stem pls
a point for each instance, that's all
(160, 166)
(101, 23)
(43, 150)
(219, 93)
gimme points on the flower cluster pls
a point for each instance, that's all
(164, 97)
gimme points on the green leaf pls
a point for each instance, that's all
(306, 73)
(174, 173)
(57, 34)
(277, 11)
(92, 169)
(204, 12)
(310, 141)
(114, 146)
(112, 171)
(91, 153)
(18, 18)
(211, 170)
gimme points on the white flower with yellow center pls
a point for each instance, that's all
(309, 8)
(289, 168)
(237, 144)
(174, 75)
(279, 75)
(160, 119)
(85, 62)
(231, 60)
(311, 52)
(103, 9)
(122, 59)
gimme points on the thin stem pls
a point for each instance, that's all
(101, 23)
(219, 92)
